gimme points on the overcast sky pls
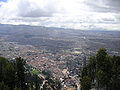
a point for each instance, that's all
(77, 14)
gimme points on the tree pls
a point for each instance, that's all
(3, 86)
(101, 68)
(115, 73)
(16, 75)
(20, 68)
(102, 71)
(7, 73)
(3, 63)
(86, 83)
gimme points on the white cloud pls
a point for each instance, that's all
(38, 8)
(78, 14)
(27, 8)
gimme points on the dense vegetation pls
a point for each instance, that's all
(102, 72)
(17, 75)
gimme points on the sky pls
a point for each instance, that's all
(76, 14)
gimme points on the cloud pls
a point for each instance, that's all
(32, 8)
(115, 4)
(78, 14)
(29, 8)
(104, 5)
(37, 8)
(43, 8)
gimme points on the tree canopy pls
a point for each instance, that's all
(17, 75)
(102, 72)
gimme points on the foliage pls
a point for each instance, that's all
(17, 75)
(52, 84)
(35, 71)
(85, 83)
(14, 75)
(3, 86)
(102, 71)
